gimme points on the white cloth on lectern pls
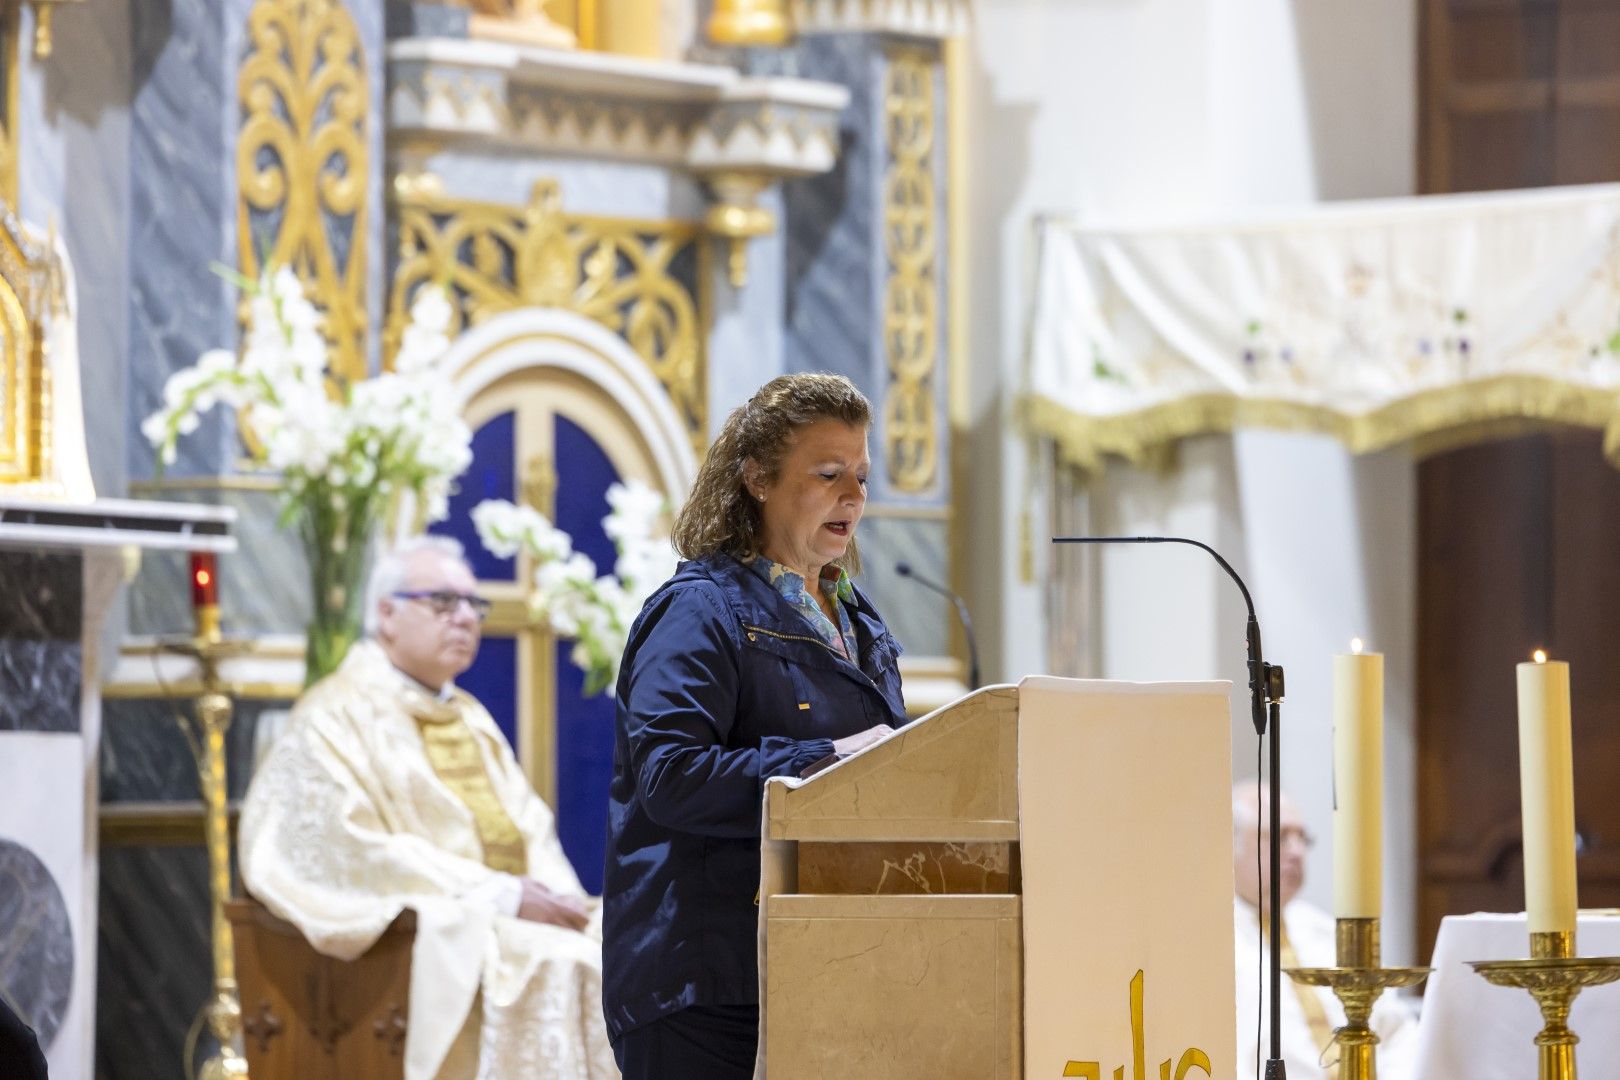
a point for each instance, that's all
(1310, 932)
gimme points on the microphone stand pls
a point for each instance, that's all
(1265, 706)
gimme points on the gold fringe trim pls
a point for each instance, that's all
(1444, 418)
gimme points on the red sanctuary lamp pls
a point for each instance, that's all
(205, 594)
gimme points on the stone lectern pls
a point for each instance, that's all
(1030, 882)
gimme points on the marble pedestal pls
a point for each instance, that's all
(60, 569)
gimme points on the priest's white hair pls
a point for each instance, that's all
(388, 573)
(1251, 809)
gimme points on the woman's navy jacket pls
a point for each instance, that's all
(723, 685)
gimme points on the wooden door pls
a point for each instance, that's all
(1519, 93)
(1516, 538)
(1517, 551)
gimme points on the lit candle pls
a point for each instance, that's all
(205, 594)
(1547, 795)
(1358, 784)
(204, 580)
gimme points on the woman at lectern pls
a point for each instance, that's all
(758, 658)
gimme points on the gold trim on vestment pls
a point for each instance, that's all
(458, 762)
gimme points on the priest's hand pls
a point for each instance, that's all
(541, 905)
(850, 744)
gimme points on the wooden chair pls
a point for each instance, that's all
(309, 1017)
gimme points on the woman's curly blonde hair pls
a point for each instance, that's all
(721, 516)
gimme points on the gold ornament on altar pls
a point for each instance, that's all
(519, 22)
(44, 24)
(911, 290)
(619, 272)
(749, 22)
(42, 445)
(1358, 982)
(737, 218)
(1553, 975)
(303, 161)
(205, 734)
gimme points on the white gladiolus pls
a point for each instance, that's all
(568, 596)
(340, 444)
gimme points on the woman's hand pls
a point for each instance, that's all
(859, 741)
(541, 905)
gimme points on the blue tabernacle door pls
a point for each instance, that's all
(493, 677)
(584, 724)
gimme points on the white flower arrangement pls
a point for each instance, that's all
(397, 432)
(346, 449)
(568, 596)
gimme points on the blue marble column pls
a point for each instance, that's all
(837, 269)
(183, 120)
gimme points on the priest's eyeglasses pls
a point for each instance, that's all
(446, 603)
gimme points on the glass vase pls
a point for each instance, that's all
(337, 539)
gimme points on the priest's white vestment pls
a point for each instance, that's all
(358, 813)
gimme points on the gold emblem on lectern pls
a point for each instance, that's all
(1191, 1058)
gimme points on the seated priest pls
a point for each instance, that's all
(392, 789)
(1309, 1013)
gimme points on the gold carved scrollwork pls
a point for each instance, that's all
(618, 272)
(30, 293)
(910, 302)
(302, 161)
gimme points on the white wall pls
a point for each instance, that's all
(1148, 109)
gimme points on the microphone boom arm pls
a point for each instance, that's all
(1265, 699)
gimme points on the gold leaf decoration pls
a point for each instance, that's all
(620, 272)
(302, 161)
(910, 301)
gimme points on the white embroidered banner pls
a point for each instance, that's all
(1376, 322)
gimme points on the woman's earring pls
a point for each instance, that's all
(762, 498)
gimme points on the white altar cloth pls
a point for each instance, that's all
(1472, 1030)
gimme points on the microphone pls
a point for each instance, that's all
(1265, 700)
(905, 571)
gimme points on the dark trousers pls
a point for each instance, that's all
(704, 1042)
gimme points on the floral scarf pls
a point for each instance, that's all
(834, 583)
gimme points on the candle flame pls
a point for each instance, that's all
(1355, 645)
(1539, 656)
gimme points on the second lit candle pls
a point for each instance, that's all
(1358, 784)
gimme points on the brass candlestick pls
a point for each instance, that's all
(1553, 975)
(206, 734)
(1357, 982)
